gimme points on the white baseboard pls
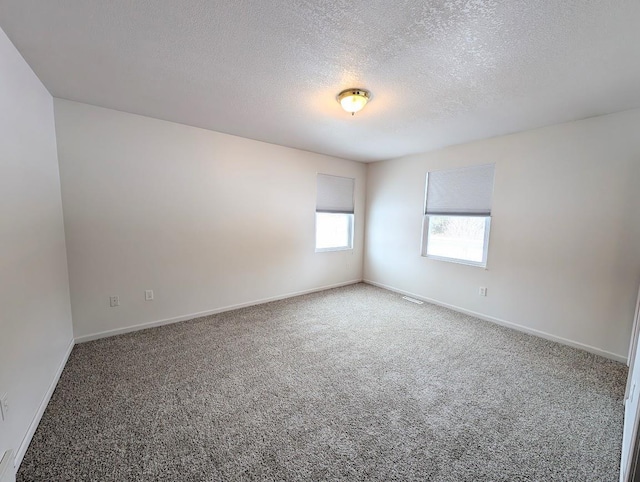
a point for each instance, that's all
(508, 324)
(43, 405)
(168, 321)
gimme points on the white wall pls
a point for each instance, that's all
(564, 253)
(35, 314)
(206, 220)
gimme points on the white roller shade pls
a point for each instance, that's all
(335, 194)
(467, 191)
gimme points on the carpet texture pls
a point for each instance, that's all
(353, 383)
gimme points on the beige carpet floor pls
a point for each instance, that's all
(348, 384)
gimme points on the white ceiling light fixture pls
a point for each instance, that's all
(354, 100)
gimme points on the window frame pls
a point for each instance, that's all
(485, 241)
(350, 217)
(425, 229)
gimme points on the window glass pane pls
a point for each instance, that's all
(333, 230)
(457, 237)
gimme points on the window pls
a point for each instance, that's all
(333, 231)
(334, 213)
(457, 215)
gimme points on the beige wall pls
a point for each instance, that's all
(564, 253)
(35, 315)
(206, 220)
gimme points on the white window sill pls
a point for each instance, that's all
(324, 250)
(457, 261)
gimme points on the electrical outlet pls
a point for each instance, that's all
(4, 406)
(482, 291)
(148, 295)
(114, 301)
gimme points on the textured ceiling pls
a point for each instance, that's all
(441, 72)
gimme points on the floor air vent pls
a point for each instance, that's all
(413, 300)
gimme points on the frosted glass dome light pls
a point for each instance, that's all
(353, 100)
